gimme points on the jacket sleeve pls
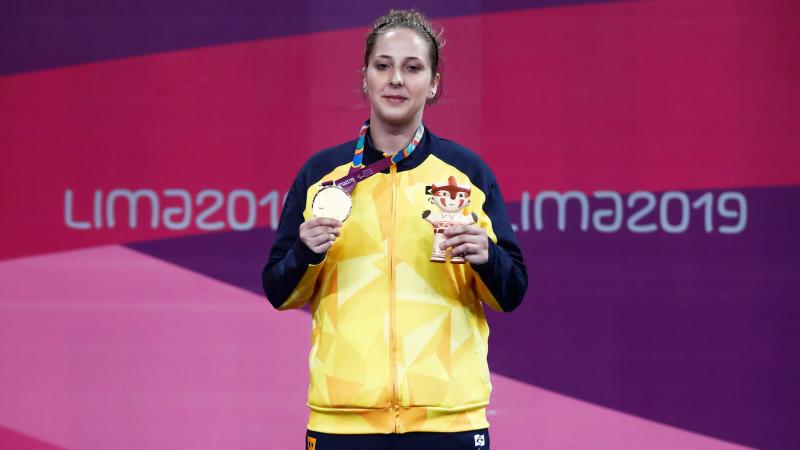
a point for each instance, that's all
(501, 282)
(289, 276)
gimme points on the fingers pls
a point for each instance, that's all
(322, 230)
(465, 249)
(474, 253)
(321, 243)
(319, 225)
(322, 238)
(468, 241)
(478, 258)
(464, 229)
(317, 221)
(468, 234)
(319, 233)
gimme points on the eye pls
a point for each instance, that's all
(381, 66)
(441, 194)
(414, 68)
(461, 195)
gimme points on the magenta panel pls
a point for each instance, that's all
(647, 151)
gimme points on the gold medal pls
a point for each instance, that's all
(333, 198)
(332, 202)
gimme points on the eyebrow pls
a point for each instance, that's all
(408, 58)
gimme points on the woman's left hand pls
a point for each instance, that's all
(469, 241)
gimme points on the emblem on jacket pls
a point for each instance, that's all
(451, 199)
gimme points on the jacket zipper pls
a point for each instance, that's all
(392, 301)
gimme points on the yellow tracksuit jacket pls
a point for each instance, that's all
(399, 343)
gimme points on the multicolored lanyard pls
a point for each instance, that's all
(358, 156)
(348, 182)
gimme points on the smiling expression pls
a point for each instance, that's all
(398, 78)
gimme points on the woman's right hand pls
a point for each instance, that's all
(319, 233)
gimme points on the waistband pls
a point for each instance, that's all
(397, 420)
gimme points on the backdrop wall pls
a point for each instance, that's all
(647, 151)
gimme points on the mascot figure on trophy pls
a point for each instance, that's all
(451, 198)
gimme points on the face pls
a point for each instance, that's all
(450, 200)
(398, 78)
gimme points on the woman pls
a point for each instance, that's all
(399, 340)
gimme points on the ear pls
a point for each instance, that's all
(364, 79)
(434, 85)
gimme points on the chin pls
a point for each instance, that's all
(395, 118)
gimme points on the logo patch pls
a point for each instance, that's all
(479, 440)
(311, 443)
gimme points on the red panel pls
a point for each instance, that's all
(623, 96)
(643, 95)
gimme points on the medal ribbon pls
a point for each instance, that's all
(348, 182)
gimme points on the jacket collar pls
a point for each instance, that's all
(420, 153)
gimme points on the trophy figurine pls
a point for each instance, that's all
(451, 199)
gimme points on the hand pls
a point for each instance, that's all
(469, 241)
(319, 233)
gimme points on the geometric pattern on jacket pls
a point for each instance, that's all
(399, 343)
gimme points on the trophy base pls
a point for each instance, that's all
(438, 259)
(457, 260)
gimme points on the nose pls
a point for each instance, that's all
(397, 78)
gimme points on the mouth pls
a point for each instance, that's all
(395, 99)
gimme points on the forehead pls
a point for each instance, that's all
(401, 43)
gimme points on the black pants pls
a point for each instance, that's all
(464, 440)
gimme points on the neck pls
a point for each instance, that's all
(389, 138)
